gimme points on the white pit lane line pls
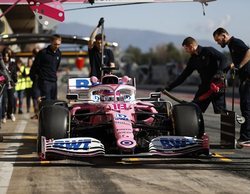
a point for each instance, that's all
(6, 167)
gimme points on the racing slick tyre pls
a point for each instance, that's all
(53, 123)
(188, 120)
(44, 103)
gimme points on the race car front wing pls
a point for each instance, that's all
(75, 147)
(165, 146)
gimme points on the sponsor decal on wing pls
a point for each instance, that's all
(172, 144)
(82, 83)
(77, 146)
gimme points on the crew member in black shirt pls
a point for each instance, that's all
(45, 66)
(209, 63)
(95, 52)
(240, 54)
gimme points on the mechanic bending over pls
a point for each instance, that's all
(240, 54)
(209, 63)
(95, 52)
(45, 66)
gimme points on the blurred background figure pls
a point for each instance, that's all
(8, 94)
(20, 85)
(35, 92)
(28, 84)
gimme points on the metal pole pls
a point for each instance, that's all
(102, 49)
(233, 78)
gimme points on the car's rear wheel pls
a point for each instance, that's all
(188, 120)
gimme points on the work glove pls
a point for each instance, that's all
(214, 87)
(101, 22)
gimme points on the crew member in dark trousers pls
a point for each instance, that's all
(45, 66)
(8, 94)
(95, 52)
(240, 54)
(210, 64)
(28, 84)
(36, 94)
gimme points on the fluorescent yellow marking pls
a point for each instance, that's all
(45, 162)
(133, 159)
(222, 158)
(226, 153)
(128, 160)
(226, 160)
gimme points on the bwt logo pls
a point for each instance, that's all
(176, 143)
(72, 145)
(123, 117)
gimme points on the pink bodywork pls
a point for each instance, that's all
(121, 113)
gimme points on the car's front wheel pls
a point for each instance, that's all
(53, 123)
(188, 120)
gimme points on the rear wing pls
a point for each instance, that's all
(78, 88)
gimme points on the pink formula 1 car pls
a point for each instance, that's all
(107, 119)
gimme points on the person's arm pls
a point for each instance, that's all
(245, 59)
(94, 33)
(14, 72)
(34, 67)
(59, 61)
(92, 38)
(186, 72)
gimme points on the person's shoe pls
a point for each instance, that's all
(242, 143)
(4, 120)
(12, 117)
(20, 112)
(34, 117)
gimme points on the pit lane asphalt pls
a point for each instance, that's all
(21, 172)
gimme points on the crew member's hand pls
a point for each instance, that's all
(101, 21)
(234, 70)
(112, 65)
